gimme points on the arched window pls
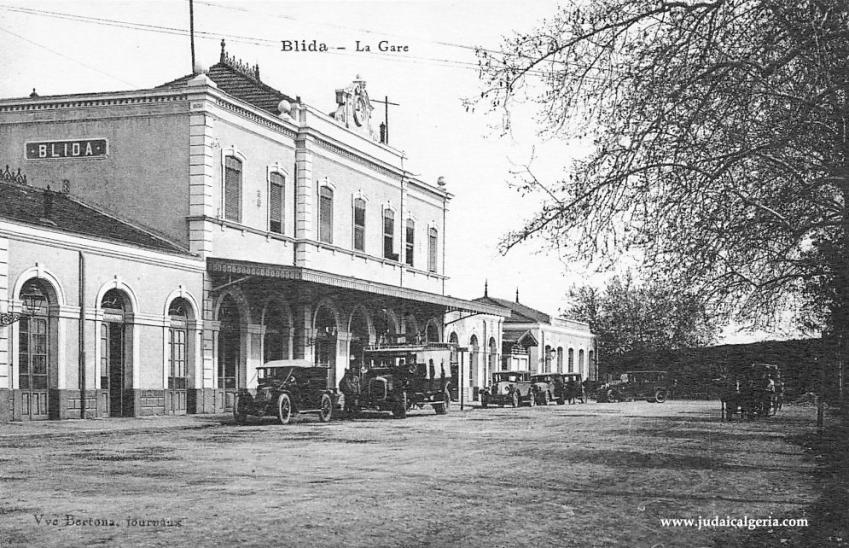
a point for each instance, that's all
(276, 187)
(432, 253)
(389, 234)
(581, 361)
(178, 334)
(276, 339)
(493, 355)
(232, 189)
(409, 245)
(560, 359)
(325, 214)
(360, 224)
(571, 360)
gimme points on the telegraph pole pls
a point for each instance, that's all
(192, 31)
(384, 137)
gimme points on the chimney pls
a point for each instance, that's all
(517, 294)
(486, 288)
(48, 202)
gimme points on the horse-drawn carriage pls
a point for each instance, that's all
(756, 391)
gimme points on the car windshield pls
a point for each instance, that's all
(506, 377)
(268, 373)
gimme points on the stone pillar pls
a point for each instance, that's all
(202, 150)
(305, 199)
(343, 346)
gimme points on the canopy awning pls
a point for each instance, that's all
(296, 273)
(522, 337)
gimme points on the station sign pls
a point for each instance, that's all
(76, 148)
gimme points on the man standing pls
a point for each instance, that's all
(350, 387)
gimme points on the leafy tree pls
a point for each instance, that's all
(720, 145)
(640, 321)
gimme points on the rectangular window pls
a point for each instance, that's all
(232, 189)
(360, 224)
(275, 203)
(410, 243)
(177, 342)
(32, 353)
(389, 235)
(432, 240)
(325, 215)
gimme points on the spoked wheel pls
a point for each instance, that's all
(660, 396)
(284, 409)
(240, 409)
(326, 410)
(515, 399)
(611, 396)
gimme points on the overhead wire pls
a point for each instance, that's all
(252, 40)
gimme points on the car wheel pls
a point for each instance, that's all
(660, 396)
(284, 408)
(400, 409)
(240, 409)
(561, 400)
(611, 396)
(515, 399)
(326, 411)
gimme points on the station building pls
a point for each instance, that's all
(526, 339)
(245, 226)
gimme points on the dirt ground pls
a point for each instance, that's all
(580, 475)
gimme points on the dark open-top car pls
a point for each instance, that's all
(633, 385)
(509, 388)
(285, 388)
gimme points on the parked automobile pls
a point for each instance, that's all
(649, 385)
(397, 378)
(509, 388)
(555, 387)
(286, 388)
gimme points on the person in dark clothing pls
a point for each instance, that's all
(350, 387)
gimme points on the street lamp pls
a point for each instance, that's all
(32, 299)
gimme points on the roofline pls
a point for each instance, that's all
(287, 272)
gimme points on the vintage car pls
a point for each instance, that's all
(509, 388)
(286, 388)
(632, 385)
(399, 377)
(555, 387)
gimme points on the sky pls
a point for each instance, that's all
(72, 46)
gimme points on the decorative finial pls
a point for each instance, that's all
(486, 288)
(517, 294)
(223, 52)
(441, 181)
(33, 95)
